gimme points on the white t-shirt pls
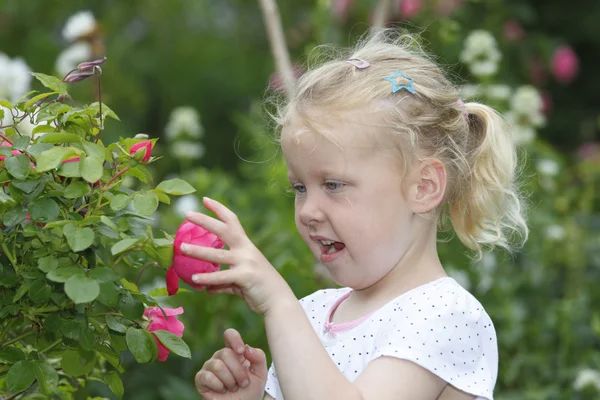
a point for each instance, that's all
(439, 326)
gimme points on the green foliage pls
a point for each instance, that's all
(70, 233)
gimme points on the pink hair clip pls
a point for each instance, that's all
(358, 63)
(461, 104)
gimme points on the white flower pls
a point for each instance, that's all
(187, 150)
(460, 276)
(499, 92)
(587, 377)
(481, 53)
(527, 104)
(15, 78)
(522, 134)
(555, 232)
(78, 25)
(548, 167)
(184, 121)
(72, 56)
(185, 204)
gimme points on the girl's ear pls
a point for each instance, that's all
(427, 186)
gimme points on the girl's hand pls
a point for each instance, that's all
(250, 276)
(237, 371)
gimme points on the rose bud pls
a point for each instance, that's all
(142, 150)
(159, 322)
(89, 65)
(185, 266)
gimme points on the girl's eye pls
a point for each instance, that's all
(334, 186)
(298, 188)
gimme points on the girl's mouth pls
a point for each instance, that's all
(331, 251)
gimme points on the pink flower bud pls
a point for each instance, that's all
(410, 8)
(89, 65)
(73, 78)
(159, 322)
(185, 266)
(565, 64)
(145, 148)
(70, 160)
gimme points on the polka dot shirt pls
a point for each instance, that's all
(439, 326)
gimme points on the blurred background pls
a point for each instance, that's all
(194, 73)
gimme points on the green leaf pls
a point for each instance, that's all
(82, 289)
(61, 137)
(20, 376)
(46, 376)
(105, 110)
(14, 217)
(37, 98)
(173, 343)
(158, 292)
(109, 222)
(77, 189)
(21, 291)
(78, 238)
(123, 245)
(39, 291)
(51, 82)
(176, 187)
(162, 196)
(108, 294)
(103, 274)
(132, 287)
(6, 199)
(115, 384)
(163, 254)
(43, 210)
(52, 158)
(91, 168)
(145, 203)
(141, 344)
(21, 142)
(76, 363)
(130, 306)
(18, 166)
(6, 104)
(86, 339)
(37, 149)
(10, 355)
(94, 149)
(63, 274)
(119, 202)
(42, 129)
(70, 170)
(47, 264)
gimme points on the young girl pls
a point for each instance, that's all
(378, 147)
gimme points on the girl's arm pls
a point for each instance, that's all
(306, 372)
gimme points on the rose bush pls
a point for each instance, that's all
(70, 233)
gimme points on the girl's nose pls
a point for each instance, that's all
(309, 212)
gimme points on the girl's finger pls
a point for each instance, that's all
(222, 289)
(219, 256)
(230, 218)
(222, 372)
(207, 380)
(225, 277)
(235, 367)
(234, 341)
(209, 223)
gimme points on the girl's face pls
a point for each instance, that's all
(349, 205)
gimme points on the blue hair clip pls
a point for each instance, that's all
(395, 87)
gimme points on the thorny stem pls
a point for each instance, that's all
(22, 336)
(5, 138)
(121, 172)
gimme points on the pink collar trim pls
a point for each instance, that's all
(335, 328)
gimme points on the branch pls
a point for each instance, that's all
(278, 46)
(382, 12)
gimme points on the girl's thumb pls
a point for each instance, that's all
(258, 361)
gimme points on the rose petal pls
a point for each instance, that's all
(172, 281)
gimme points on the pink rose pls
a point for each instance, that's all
(410, 8)
(159, 322)
(185, 266)
(145, 146)
(565, 64)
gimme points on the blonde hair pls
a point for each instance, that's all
(481, 200)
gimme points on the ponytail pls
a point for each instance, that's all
(488, 210)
